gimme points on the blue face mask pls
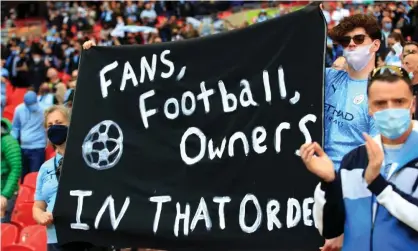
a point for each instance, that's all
(388, 26)
(392, 123)
(33, 107)
(57, 134)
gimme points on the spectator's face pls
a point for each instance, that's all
(51, 73)
(391, 42)
(44, 89)
(64, 46)
(148, 6)
(384, 95)
(77, 46)
(74, 74)
(37, 58)
(410, 63)
(358, 37)
(157, 40)
(131, 21)
(387, 23)
(63, 34)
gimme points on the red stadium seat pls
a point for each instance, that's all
(30, 180)
(9, 90)
(9, 234)
(14, 98)
(8, 112)
(25, 194)
(22, 215)
(34, 236)
(17, 96)
(49, 152)
(18, 247)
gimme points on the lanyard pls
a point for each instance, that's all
(57, 167)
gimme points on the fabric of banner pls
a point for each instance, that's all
(193, 144)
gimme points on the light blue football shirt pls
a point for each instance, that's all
(46, 190)
(393, 156)
(345, 114)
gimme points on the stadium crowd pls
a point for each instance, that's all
(39, 72)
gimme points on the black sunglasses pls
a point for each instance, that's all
(357, 39)
(407, 52)
(389, 69)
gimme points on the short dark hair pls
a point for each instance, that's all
(347, 24)
(411, 43)
(390, 74)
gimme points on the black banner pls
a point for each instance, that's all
(193, 144)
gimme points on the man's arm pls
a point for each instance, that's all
(328, 210)
(16, 125)
(401, 205)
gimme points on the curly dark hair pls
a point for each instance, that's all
(367, 22)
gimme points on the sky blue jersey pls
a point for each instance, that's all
(46, 190)
(345, 114)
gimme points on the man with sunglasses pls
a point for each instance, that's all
(346, 115)
(373, 198)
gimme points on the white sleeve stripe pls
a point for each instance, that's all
(318, 208)
(400, 208)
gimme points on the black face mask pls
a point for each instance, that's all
(57, 134)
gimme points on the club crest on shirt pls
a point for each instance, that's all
(358, 99)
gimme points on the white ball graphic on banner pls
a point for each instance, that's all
(103, 146)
